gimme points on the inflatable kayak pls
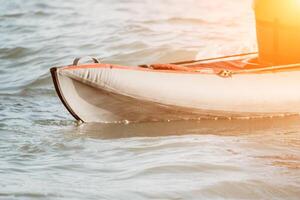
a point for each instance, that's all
(231, 86)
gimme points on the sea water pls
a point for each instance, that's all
(44, 154)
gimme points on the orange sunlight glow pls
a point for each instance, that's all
(277, 24)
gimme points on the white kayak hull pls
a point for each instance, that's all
(104, 93)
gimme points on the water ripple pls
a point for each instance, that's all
(44, 154)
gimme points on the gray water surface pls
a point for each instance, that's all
(44, 154)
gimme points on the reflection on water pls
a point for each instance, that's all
(45, 155)
(221, 127)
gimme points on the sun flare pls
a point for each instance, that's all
(277, 24)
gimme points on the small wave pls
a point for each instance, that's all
(44, 79)
(243, 189)
(289, 161)
(41, 13)
(188, 167)
(12, 15)
(39, 85)
(25, 195)
(23, 14)
(13, 53)
(187, 20)
(178, 20)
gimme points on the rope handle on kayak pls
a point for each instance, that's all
(76, 60)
